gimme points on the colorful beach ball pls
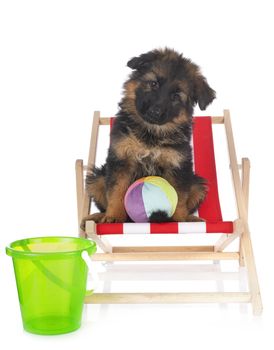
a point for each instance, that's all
(149, 195)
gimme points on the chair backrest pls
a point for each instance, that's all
(204, 165)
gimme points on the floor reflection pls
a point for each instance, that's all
(217, 276)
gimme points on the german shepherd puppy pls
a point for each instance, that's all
(151, 136)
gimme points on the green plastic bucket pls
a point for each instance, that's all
(51, 278)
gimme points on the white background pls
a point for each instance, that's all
(60, 61)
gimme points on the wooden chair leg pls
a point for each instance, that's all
(252, 273)
(241, 194)
(245, 188)
(241, 253)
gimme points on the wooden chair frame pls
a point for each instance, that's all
(215, 252)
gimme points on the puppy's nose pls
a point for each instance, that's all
(155, 111)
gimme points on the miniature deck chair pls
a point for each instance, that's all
(204, 163)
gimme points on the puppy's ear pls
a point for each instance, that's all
(142, 61)
(203, 93)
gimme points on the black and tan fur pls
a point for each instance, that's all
(151, 136)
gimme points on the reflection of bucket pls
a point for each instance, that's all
(51, 278)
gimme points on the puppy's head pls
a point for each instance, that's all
(164, 87)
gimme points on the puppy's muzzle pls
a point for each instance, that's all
(154, 112)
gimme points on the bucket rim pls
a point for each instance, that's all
(25, 254)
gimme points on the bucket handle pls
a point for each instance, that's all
(55, 279)
(92, 272)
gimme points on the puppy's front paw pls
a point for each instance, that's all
(193, 218)
(96, 217)
(113, 219)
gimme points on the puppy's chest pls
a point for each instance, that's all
(138, 152)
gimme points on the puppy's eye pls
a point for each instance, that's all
(153, 84)
(175, 96)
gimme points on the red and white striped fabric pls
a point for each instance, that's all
(165, 227)
(210, 210)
